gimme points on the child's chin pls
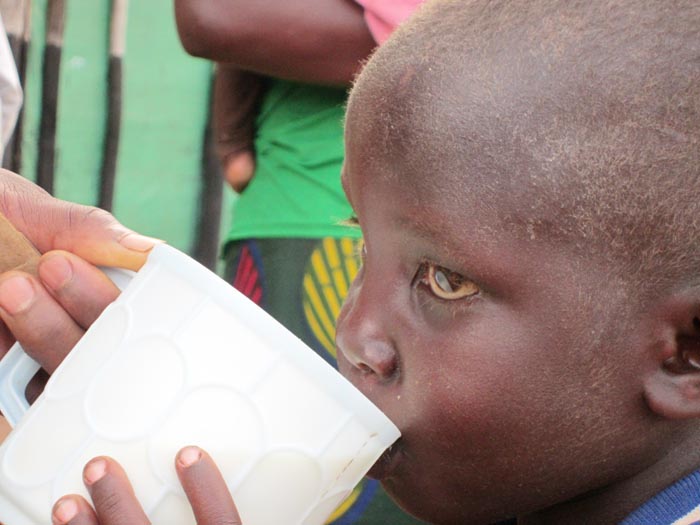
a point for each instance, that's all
(387, 462)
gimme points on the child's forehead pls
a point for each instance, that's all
(586, 130)
(436, 127)
(453, 209)
(432, 153)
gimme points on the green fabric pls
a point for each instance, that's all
(296, 189)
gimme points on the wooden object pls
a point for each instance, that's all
(16, 252)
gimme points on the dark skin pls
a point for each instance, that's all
(91, 236)
(477, 376)
(528, 372)
(114, 500)
(322, 42)
(445, 339)
(52, 224)
(314, 41)
(236, 100)
(528, 378)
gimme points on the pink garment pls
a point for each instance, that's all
(383, 16)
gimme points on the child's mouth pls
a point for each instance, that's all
(387, 462)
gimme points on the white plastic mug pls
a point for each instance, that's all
(181, 358)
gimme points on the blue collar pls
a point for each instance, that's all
(670, 505)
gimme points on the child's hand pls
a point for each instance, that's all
(115, 504)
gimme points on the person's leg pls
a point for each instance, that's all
(269, 271)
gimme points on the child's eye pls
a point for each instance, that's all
(446, 284)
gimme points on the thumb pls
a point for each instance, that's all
(52, 224)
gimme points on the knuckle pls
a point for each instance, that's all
(218, 516)
(78, 219)
(108, 503)
(226, 520)
(91, 214)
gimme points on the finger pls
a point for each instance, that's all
(206, 489)
(40, 324)
(96, 236)
(112, 495)
(73, 510)
(52, 224)
(5, 428)
(37, 383)
(81, 288)
(6, 339)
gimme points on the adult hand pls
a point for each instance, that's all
(239, 169)
(53, 224)
(115, 503)
(49, 312)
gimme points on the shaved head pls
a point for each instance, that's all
(527, 179)
(578, 122)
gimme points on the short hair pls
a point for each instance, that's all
(598, 101)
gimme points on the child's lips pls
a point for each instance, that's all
(387, 462)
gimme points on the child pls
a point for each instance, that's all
(526, 175)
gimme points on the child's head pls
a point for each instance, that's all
(527, 177)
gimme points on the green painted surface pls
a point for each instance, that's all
(82, 92)
(165, 95)
(32, 92)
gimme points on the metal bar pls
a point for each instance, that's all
(55, 21)
(206, 247)
(110, 153)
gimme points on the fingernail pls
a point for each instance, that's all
(64, 511)
(56, 271)
(16, 295)
(95, 471)
(188, 456)
(139, 243)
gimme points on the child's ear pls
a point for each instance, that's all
(673, 389)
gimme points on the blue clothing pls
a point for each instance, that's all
(666, 508)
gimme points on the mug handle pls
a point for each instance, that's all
(17, 368)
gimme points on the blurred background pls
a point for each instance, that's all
(166, 181)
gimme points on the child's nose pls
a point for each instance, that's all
(375, 358)
(362, 341)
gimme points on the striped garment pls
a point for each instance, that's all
(679, 504)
